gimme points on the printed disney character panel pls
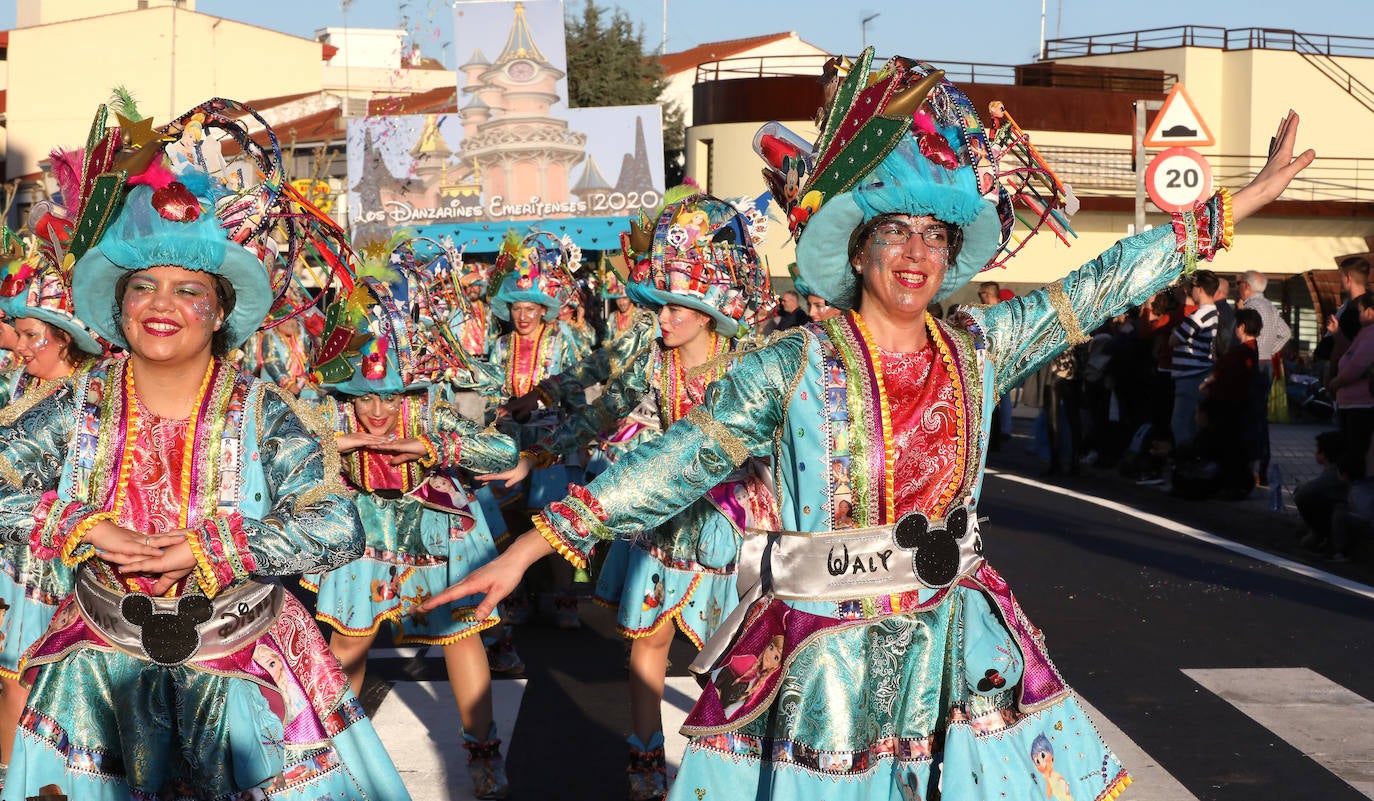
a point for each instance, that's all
(745, 680)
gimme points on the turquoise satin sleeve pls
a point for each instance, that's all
(603, 363)
(311, 524)
(33, 451)
(1026, 332)
(620, 397)
(742, 416)
(483, 449)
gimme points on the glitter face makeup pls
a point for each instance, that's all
(904, 263)
(170, 313)
(42, 349)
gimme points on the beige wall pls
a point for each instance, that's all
(1242, 95)
(44, 12)
(171, 60)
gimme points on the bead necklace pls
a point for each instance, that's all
(521, 378)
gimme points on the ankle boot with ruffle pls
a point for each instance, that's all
(486, 765)
(648, 769)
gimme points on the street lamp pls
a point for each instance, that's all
(863, 29)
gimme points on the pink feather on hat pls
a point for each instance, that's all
(66, 170)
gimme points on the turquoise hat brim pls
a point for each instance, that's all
(823, 250)
(81, 338)
(508, 294)
(655, 298)
(95, 276)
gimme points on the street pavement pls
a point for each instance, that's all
(1223, 662)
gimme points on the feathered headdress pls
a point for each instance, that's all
(900, 140)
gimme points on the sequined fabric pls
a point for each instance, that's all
(275, 714)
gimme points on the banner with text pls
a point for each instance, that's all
(513, 156)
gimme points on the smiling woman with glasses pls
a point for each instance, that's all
(875, 653)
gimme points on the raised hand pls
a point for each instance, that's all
(1278, 171)
(512, 476)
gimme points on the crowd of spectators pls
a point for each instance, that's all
(1180, 392)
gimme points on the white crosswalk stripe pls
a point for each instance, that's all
(418, 723)
(1310, 712)
(1325, 721)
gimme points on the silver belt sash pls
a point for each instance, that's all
(912, 554)
(237, 617)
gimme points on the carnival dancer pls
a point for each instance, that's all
(180, 489)
(572, 317)
(700, 271)
(906, 668)
(282, 356)
(535, 279)
(622, 317)
(52, 344)
(402, 447)
(479, 326)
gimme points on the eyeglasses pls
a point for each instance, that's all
(895, 233)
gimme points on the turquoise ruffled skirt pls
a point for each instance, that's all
(274, 720)
(412, 553)
(658, 589)
(30, 589)
(861, 701)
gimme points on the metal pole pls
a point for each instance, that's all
(863, 29)
(1141, 106)
(1042, 30)
(663, 47)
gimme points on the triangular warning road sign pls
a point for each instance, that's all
(1178, 124)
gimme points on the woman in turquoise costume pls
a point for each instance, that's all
(180, 489)
(700, 271)
(52, 344)
(403, 447)
(875, 653)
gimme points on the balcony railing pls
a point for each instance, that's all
(1208, 36)
(1106, 172)
(777, 66)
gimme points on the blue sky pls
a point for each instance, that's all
(1002, 32)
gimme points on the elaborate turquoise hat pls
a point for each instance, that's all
(395, 332)
(536, 269)
(175, 226)
(702, 256)
(902, 140)
(175, 195)
(29, 289)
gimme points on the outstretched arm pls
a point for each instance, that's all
(1027, 332)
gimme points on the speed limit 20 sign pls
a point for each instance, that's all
(1177, 178)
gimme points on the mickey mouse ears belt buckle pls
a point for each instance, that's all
(173, 631)
(915, 553)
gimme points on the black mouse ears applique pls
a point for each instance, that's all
(168, 638)
(935, 549)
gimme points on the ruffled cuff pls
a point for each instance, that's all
(1208, 227)
(540, 457)
(573, 525)
(221, 550)
(59, 530)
